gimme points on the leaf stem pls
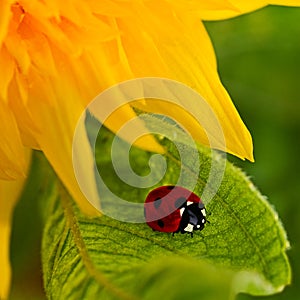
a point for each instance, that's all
(72, 223)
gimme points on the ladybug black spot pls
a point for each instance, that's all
(170, 187)
(157, 203)
(180, 202)
(160, 223)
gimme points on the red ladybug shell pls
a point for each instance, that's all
(162, 207)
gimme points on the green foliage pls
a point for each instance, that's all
(241, 250)
(27, 231)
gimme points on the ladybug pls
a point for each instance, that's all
(174, 209)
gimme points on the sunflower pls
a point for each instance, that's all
(56, 56)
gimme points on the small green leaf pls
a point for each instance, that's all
(241, 250)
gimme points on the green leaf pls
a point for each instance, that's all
(241, 250)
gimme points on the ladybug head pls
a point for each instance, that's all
(193, 217)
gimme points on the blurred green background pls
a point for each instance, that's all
(259, 63)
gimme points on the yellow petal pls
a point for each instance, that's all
(9, 194)
(12, 150)
(285, 2)
(223, 9)
(7, 71)
(114, 110)
(183, 52)
(56, 124)
(65, 54)
(5, 16)
(248, 6)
